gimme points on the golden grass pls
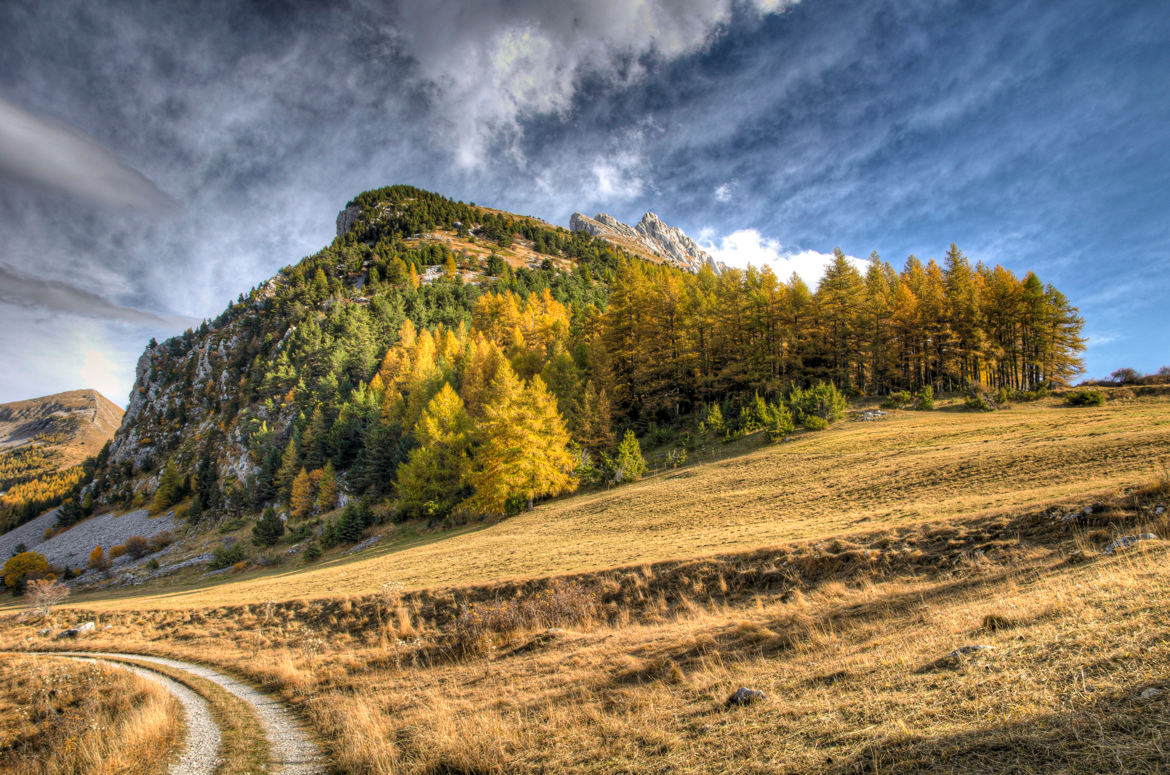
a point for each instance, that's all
(243, 748)
(61, 716)
(917, 467)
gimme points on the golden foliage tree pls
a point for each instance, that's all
(523, 454)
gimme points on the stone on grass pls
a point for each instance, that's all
(961, 650)
(1150, 692)
(746, 696)
(1127, 541)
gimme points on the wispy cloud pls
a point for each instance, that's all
(61, 297)
(50, 153)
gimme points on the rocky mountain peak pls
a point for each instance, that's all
(668, 243)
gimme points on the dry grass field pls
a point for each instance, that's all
(63, 716)
(858, 477)
(841, 573)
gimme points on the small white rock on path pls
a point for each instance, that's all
(201, 753)
(290, 750)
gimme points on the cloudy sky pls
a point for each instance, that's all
(154, 163)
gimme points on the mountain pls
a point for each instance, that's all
(73, 425)
(412, 362)
(42, 444)
(651, 238)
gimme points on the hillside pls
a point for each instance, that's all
(392, 369)
(42, 443)
(935, 591)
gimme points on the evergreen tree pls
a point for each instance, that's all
(628, 465)
(268, 529)
(326, 490)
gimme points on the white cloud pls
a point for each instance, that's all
(747, 246)
(488, 65)
(723, 191)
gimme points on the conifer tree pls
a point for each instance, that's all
(289, 465)
(268, 529)
(628, 464)
(432, 480)
(326, 490)
(523, 454)
(301, 498)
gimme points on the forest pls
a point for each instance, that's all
(491, 385)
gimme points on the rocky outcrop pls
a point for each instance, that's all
(347, 218)
(669, 243)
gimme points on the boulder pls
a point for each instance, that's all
(745, 696)
(1150, 692)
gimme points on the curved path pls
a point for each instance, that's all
(201, 755)
(291, 752)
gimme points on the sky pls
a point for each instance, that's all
(156, 162)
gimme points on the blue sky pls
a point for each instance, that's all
(153, 165)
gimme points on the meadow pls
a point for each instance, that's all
(925, 593)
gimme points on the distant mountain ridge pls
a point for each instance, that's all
(76, 423)
(665, 243)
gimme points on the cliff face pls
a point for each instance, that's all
(666, 243)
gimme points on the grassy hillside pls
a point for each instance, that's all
(894, 547)
(858, 478)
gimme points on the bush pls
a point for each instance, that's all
(43, 594)
(924, 398)
(898, 400)
(822, 400)
(97, 559)
(976, 401)
(136, 546)
(628, 464)
(226, 556)
(117, 551)
(815, 423)
(1085, 398)
(313, 552)
(152, 564)
(159, 542)
(24, 566)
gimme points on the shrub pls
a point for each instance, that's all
(1085, 398)
(43, 594)
(159, 542)
(225, 556)
(117, 551)
(24, 566)
(815, 423)
(152, 564)
(136, 546)
(97, 559)
(924, 398)
(823, 400)
(240, 566)
(779, 422)
(898, 400)
(313, 552)
(976, 401)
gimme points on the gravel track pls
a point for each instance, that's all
(201, 754)
(290, 750)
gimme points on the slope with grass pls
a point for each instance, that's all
(859, 478)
